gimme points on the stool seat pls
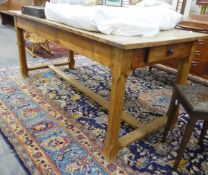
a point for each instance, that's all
(195, 102)
(196, 98)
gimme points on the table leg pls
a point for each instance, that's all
(120, 71)
(71, 59)
(22, 53)
(181, 78)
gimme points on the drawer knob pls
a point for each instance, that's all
(170, 51)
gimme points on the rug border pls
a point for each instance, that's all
(16, 155)
(120, 162)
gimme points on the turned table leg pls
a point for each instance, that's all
(120, 71)
(181, 78)
(22, 53)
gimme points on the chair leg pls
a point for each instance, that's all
(186, 136)
(203, 132)
(48, 47)
(71, 59)
(150, 68)
(171, 118)
(133, 72)
(32, 51)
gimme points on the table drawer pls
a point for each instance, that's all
(164, 53)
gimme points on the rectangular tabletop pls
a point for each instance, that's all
(163, 38)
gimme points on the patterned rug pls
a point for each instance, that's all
(55, 129)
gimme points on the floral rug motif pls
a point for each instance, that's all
(56, 129)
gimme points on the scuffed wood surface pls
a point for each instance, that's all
(163, 38)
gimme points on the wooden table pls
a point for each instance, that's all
(7, 18)
(121, 55)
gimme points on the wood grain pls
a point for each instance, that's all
(142, 131)
(163, 38)
(181, 78)
(164, 53)
(47, 64)
(120, 70)
(22, 54)
(15, 4)
(71, 59)
(126, 117)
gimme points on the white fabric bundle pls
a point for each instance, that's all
(145, 19)
(74, 2)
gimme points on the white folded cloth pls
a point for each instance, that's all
(144, 19)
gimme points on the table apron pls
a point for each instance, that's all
(101, 52)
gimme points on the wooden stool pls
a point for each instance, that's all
(37, 41)
(195, 102)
